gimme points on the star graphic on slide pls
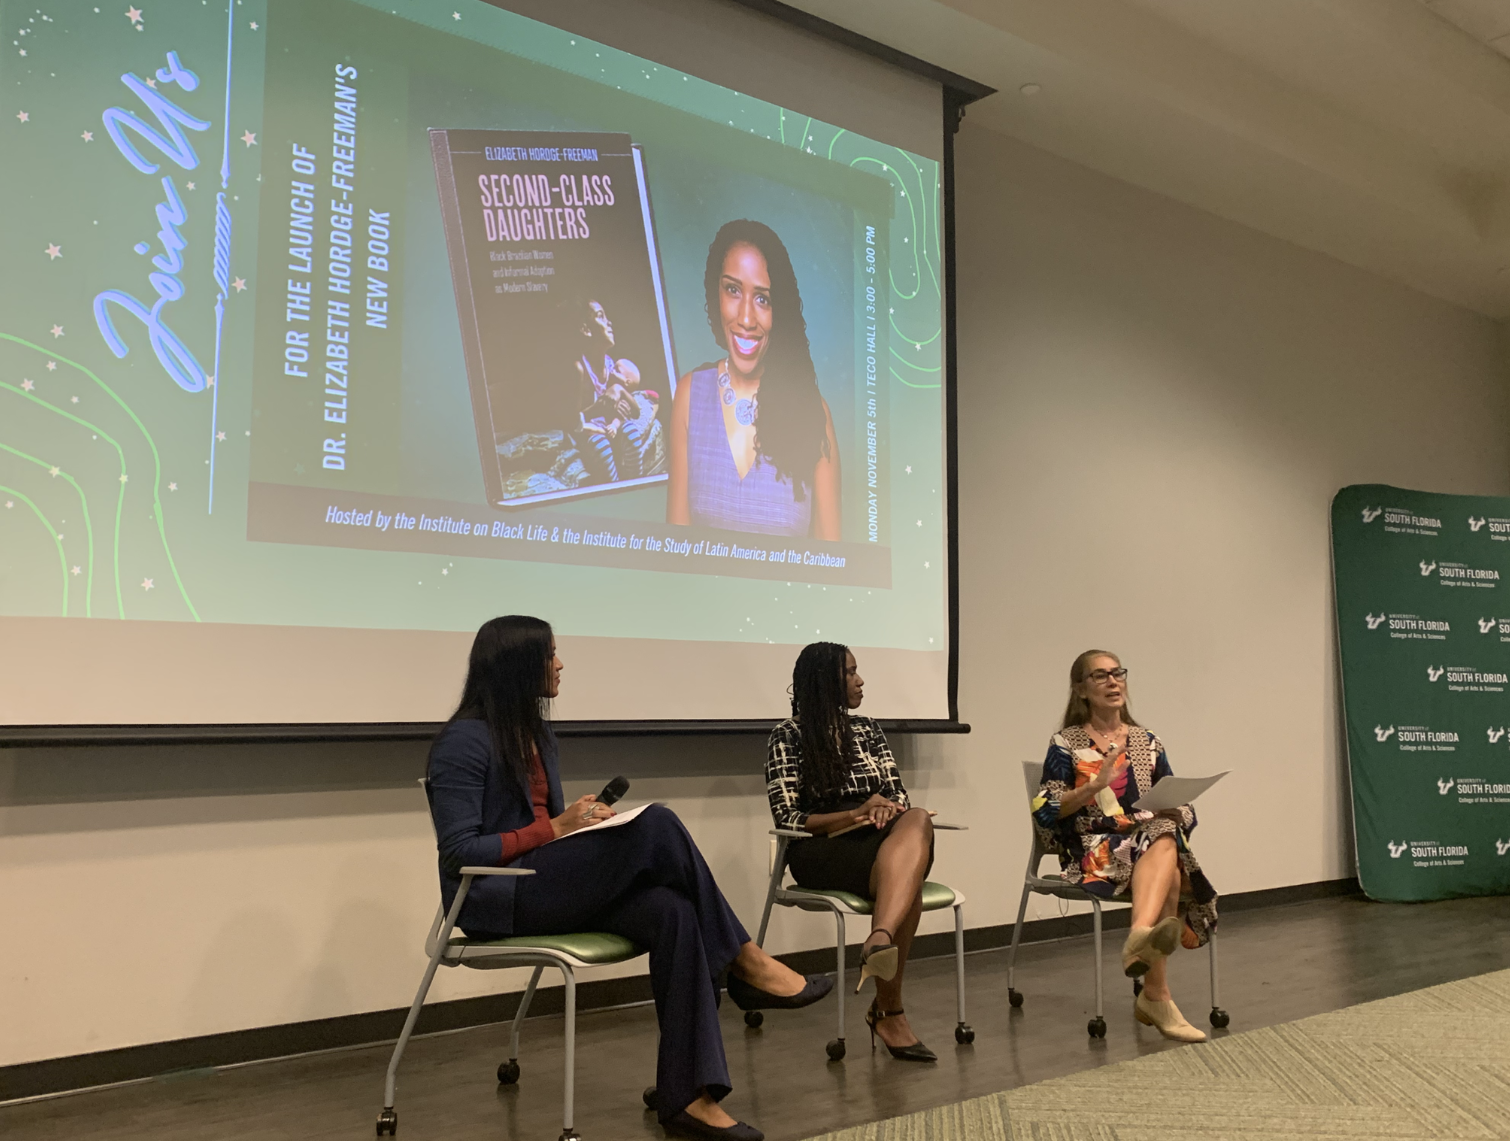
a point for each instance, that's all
(52, 366)
(54, 252)
(146, 584)
(54, 471)
(152, 83)
(87, 136)
(134, 15)
(73, 399)
(455, 15)
(172, 487)
(191, 186)
(209, 381)
(10, 503)
(927, 565)
(123, 477)
(248, 138)
(28, 384)
(220, 435)
(75, 570)
(57, 331)
(239, 284)
(920, 522)
(22, 115)
(909, 469)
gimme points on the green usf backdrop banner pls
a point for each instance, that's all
(1423, 623)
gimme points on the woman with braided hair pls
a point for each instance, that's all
(832, 774)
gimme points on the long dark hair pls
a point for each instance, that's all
(1078, 710)
(505, 687)
(790, 429)
(820, 704)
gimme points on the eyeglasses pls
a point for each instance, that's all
(1101, 677)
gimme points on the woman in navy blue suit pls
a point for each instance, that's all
(496, 798)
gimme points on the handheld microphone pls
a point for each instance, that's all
(613, 790)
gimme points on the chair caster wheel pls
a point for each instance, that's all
(508, 1073)
(1219, 1018)
(1096, 1027)
(754, 1019)
(570, 1135)
(387, 1122)
(963, 1034)
(835, 1050)
(651, 1098)
(1015, 998)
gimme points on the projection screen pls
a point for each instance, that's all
(330, 330)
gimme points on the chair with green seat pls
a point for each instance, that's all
(567, 953)
(841, 905)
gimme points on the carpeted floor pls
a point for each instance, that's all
(1434, 1063)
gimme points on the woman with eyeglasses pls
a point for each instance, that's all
(1100, 763)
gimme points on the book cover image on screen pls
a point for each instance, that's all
(558, 286)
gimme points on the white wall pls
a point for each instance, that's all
(1156, 407)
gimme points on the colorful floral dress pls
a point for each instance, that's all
(1097, 850)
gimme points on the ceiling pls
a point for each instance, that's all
(1376, 131)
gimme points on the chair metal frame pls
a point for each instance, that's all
(1056, 885)
(443, 951)
(809, 900)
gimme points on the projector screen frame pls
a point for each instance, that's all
(958, 92)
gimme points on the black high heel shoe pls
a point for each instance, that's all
(879, 962)
(747, 996)
(917, 1052)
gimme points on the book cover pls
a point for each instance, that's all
(558, 286)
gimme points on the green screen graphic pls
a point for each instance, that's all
(1423, 620)
(235, 382)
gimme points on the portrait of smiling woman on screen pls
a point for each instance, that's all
(752, 440)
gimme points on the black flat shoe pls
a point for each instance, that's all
(917, 1052)
(685, 1125)
(747, 996)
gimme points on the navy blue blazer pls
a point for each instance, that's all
(473, 801)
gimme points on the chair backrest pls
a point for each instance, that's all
(1032, 775)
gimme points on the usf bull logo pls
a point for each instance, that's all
(1501, 847)
(1444, 786)
(1396, 849)
(1382, 735)
(1434, 672)
(1495, 734)
(1475, 524)
(1427, 567)
(1373, 621)
(1486, 625)
(1372, 513)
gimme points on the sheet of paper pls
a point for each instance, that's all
(1171, 792)
(611, 822)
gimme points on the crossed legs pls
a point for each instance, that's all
(896, 882)
(1156, 896)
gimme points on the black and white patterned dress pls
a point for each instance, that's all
(844, 862)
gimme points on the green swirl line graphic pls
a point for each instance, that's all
(120, 501)
(157, 463)
(912, 384)
(88, 528)
(917, 271)
(62, 559)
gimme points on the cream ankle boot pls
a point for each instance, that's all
(1147, 945)
(1167, 1018)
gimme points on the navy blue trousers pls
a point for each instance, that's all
(647, 882)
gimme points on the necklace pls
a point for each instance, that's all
(745, 410)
